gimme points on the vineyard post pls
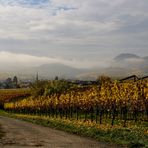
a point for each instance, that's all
(77, 112)
(125, 116)
(100, 114)
(91, 113)
(96, 114)
(113, 113)
(85, 115)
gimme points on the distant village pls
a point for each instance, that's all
(13, 83)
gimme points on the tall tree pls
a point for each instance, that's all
(15, 81)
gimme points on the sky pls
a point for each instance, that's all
(80, 33)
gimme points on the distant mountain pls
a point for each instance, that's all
(146, 58)
(57, 69)
(125, 56)
(122, 65)
(131, 63)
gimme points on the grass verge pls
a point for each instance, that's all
(134, 136)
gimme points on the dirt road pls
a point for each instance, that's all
(23, 134)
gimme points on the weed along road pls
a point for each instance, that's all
(19, 134)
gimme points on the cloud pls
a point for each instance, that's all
(25, 60)
(58, 19)
(25, 3)
(11, 59)
(73, 28)
(135, 60)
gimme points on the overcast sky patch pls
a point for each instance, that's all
(76, 29)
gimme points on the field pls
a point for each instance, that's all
(113, 108)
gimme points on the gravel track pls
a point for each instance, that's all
(20, 134)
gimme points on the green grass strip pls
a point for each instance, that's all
(134, 136)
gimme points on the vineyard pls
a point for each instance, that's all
(108, 103)
(7, 95)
